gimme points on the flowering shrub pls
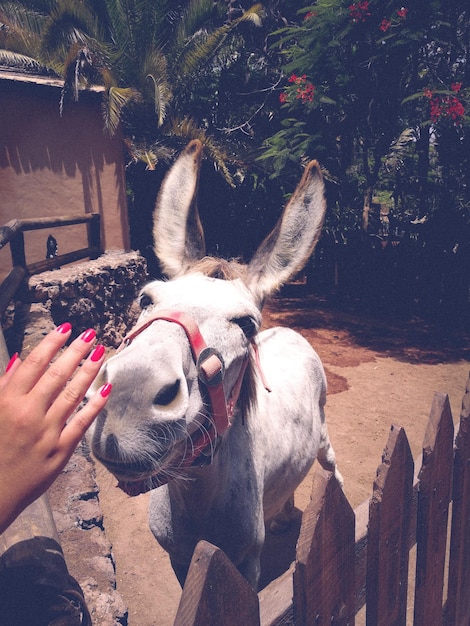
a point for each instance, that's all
(444, 106)
(301, 89)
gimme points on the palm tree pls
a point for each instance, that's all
(144, 52)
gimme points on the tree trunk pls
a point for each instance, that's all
(422, 146)
(366, 207)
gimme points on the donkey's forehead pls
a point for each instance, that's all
(229, 298)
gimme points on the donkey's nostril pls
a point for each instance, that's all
(167, 394)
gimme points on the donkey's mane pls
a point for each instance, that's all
(215, 267)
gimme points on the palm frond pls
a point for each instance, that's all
(20, 61)
(194, 18)
(115, 100)
(188, 129)
(149, 155)
(70, 24)
(20, 29)
(155, 73)
(202, 46)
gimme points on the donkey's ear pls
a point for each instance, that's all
(177, 231)
(287, 248)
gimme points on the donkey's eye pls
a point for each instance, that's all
(247, 324)
(145, 301)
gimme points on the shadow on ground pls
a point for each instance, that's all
(410, 340)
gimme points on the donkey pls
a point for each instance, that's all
(220, 421)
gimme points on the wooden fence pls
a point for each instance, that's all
(347, 559)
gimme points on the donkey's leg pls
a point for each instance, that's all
(326, 455)
(281, 521)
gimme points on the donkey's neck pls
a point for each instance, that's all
(206, 486)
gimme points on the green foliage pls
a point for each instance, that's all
(383, 76)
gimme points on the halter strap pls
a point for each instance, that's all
(210, 369)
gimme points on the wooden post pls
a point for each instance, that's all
(9, 287)
(324, 572)
(387, 542)
(94, 234)
(457, 609)
(435, 482)
(215, 592)
(18, 256)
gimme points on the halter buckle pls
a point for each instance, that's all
(210, 367)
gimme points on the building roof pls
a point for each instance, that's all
(17, 76)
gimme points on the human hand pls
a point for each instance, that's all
(36, 399)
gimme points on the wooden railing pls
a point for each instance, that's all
(12, 233)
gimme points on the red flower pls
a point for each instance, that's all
(402, 12)
(456, 87)
(443, 107)
(359, 11)
(455, 109)
(436, 109)
(385, 25)
(304, 92)
(310, 14)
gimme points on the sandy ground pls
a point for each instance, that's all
(380, 372)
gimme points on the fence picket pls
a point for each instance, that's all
(433, 506)
(458, 600)
(215, 592)
(324, 573)
(387, 543)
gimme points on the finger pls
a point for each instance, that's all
(36, 363)
(79, 424)
(70, 397)
(60, 371)
(12, 366)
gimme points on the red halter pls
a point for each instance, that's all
(210, 369)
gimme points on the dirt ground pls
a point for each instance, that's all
(380, 372)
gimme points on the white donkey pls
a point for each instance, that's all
(221, 422)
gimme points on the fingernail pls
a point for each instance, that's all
(97, 353)
(88, 335)
(106, 390)
(11, 361)
(64, 328)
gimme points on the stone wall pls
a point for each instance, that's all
(98, 294)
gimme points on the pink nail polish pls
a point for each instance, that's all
(88, 335)
(64, 328)
(106, 390)
(11, 361)
(97, 353)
